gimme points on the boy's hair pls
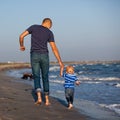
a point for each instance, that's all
(68, 67)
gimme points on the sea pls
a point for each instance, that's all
(98, 95)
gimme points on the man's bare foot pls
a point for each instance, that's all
(39, 101)
(47, 100)
(70, 106)
(47, 103)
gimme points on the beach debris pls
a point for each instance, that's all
(27, 75)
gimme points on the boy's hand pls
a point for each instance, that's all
(77, 82)
(22, 48)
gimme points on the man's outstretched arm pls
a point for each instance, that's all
(57, 55)
(21, 40)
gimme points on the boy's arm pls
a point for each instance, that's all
(21, 40)
(77, 81)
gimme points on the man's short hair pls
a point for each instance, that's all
(47, 19)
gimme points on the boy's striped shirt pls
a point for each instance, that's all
(69, 80)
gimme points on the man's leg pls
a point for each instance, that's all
(45, 70)
(36, 75)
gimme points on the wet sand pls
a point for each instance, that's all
(17, 102)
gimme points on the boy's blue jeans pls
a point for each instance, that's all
(40, 64)
(69, 94)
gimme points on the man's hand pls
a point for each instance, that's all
(21, 40)
(22, 48)
(61, 69)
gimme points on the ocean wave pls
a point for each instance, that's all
(113, 84)
(96, 110)
(108, 78)
(14, 73)
(89, 80)
(59, 91)
(99, 78)
(114, 107)
(92, 82)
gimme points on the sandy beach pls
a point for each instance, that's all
(17, 101)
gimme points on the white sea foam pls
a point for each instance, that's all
(99, 78)
(54, 68)
(105, 64)
(118, 85)
(92, 82)
(85, 78)
(80, 72)
(53, 76)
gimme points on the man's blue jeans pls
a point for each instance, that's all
(40, 64)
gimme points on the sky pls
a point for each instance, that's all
(84, 30)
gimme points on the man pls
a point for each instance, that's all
(40, 36)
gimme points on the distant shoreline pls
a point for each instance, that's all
(6, 66)
(87, 62)
(27, 64)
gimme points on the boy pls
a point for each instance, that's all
(70, 79)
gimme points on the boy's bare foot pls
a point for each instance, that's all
(70, 106)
